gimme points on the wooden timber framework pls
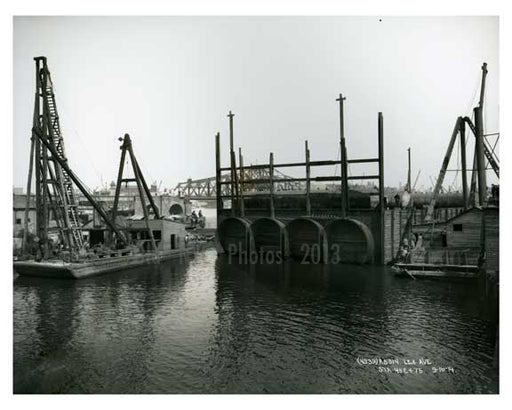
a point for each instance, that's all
(206, 188)
(240, 181)
(54, 179)
(55, 182)
(484, 155)
(243, 179)
(142, 187)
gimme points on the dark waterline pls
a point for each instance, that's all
(207, 326)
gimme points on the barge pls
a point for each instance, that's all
(58, 247)
(87, 268)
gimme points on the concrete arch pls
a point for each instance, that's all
(235, 235)
(270, 235)
(307, 239)
(349, 241)
(176, 209)
(149, 208)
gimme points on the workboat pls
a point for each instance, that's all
(115, 261)
(458, 273)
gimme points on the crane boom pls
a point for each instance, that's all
(442, 172)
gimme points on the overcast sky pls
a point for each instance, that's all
(170, 81)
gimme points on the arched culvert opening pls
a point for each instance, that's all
(349, 241)
(235, 235)
(270, 235)
(307, 240)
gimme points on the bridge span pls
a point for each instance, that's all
(206, 188)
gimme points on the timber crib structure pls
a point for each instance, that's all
(327, 227)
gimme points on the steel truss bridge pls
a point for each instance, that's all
(206, 188)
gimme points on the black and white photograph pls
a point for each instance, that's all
(255, 204)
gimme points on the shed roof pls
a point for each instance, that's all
(467, 211)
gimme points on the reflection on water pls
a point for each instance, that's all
(207, 326)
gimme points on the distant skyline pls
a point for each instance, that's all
(170, 81)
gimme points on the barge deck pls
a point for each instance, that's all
(79, 270)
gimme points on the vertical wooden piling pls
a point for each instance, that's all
(241, 199)
(462, 132)
(381, 184)
(343, 161)
(271, 185)
(480, 157)
(308, 181)
(234, 182)
(218, 185)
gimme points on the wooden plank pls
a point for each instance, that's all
(312, 163)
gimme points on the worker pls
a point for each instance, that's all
(419, 242)
(397, 200)
(194, 219)
(404, 250)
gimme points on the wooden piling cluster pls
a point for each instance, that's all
(341, 230)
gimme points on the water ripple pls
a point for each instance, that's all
(207, 326)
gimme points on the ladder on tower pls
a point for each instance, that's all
(66, 197)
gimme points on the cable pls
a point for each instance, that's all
(63, 114)
(469, 108)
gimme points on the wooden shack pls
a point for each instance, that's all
(473, 229)
(465, 229)
(168, 235)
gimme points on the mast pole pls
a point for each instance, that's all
(381, 185)
(343, 161)
(234, 182)
(308, 180)
(241, 161)
(271, 186)
(218, 185)
(480, 154)
(462, 132)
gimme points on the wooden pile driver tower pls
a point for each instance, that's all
(54, 179)
(483, 152)
(142, 187)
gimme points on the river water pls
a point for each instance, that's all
(210, 325)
